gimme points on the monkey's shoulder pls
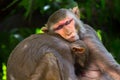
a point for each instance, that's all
(39, 43)
(46, 39)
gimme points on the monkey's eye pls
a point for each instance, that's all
(59, 27)
(68, 22)
(62, 25)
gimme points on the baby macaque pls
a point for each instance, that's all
(79, 52)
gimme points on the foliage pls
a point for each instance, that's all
(99, 34)
(38, 31)
(103, 15)
(4, 68)
(8, 41)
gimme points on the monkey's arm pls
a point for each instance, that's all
(103, 58)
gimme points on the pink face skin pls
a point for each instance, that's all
(66, 29)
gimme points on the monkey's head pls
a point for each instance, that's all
(80, 52)
(78, 47)
(65, 23)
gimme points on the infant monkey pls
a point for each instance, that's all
(79, 52)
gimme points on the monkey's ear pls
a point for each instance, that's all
(76, 11)
(44, 29)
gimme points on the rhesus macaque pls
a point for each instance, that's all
(80, 52)
(102, 65)
(41, 57)
(48, 56)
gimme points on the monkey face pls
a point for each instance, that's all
(66, 29)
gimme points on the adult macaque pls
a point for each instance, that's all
(41, 57)
(103, 66)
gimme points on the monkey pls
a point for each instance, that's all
(80, 52)
(48, 56)
(103, 63)
(80, 55)
(41, 57)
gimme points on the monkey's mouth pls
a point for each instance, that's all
(72, 38)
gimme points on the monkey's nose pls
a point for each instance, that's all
(68, 33)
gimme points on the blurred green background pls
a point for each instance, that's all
(21, 18)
